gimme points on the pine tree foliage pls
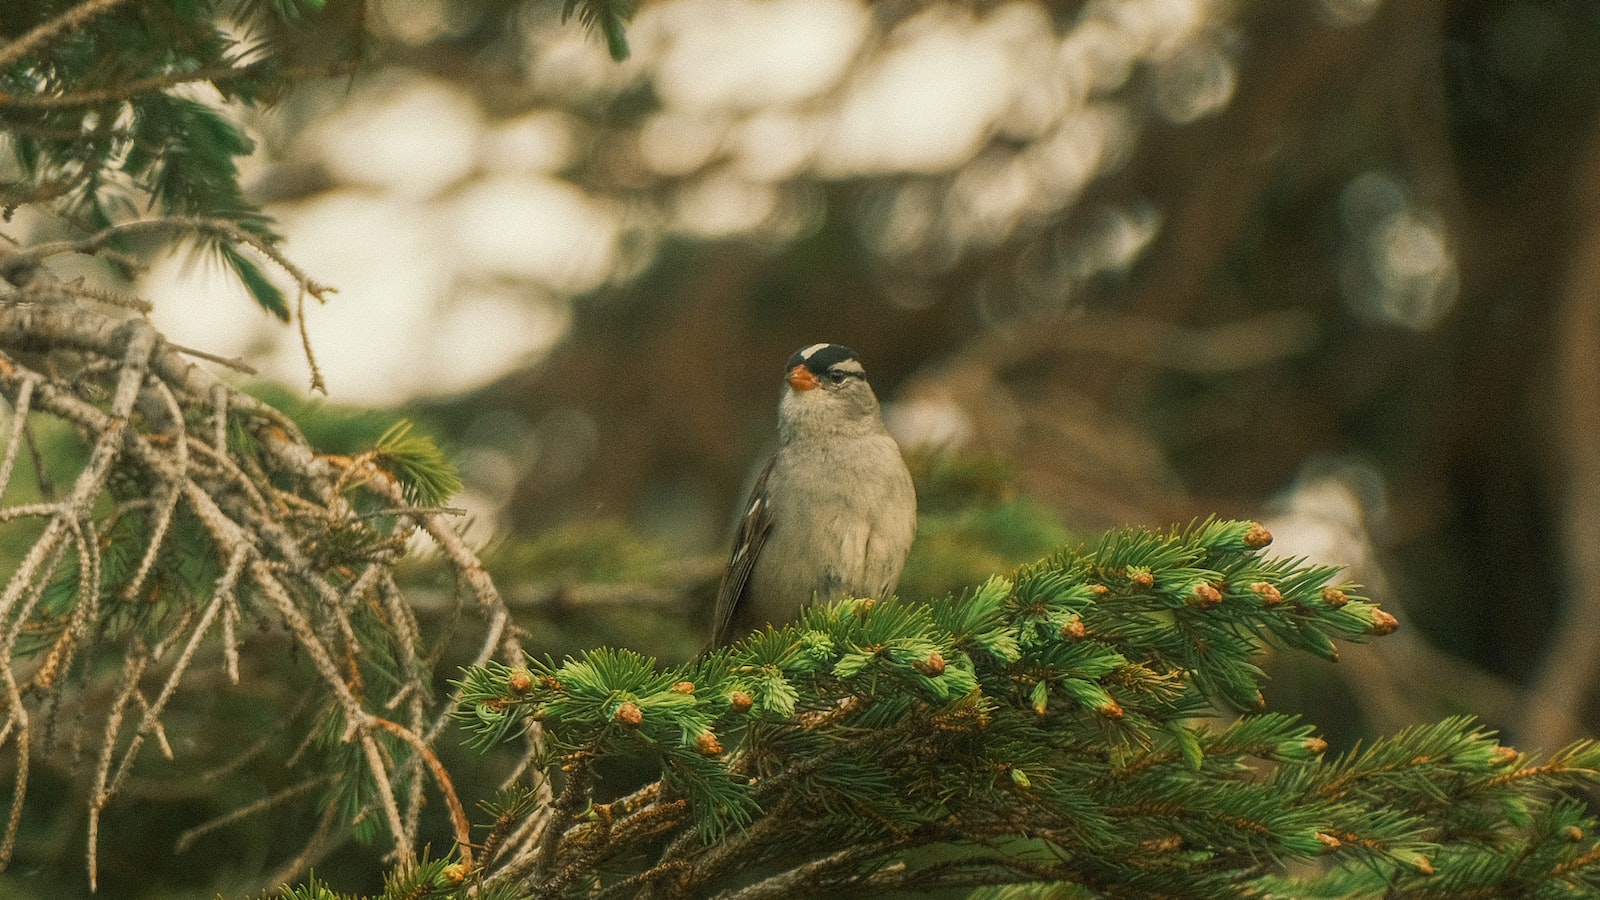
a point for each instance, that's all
(607, 17)
(113, 120)
(426, 478)
(1094, 721)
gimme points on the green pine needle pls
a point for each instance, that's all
(609, 17)
(261, 289)
(415, 461)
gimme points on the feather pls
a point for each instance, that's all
(753, 529)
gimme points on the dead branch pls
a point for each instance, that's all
(150, 419)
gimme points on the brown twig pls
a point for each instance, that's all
(649, 878)
(17, 713)
(41, 34)
(574, 795)
(316, 847)
(222, 228)
(131, 88)
(151, 719)
(441, 778)
(109, 297)
(133, 666)
(234, 363)
(403, 853)
(809, 879)
(189, 836)
(19, 417)
(317, 382)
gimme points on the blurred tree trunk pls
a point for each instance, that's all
(1563, 685)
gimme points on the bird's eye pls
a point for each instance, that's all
(837, 377)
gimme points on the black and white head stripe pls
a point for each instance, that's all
(820, 358)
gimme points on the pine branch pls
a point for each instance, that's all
(1053, 712)
(131, 89)
(38, 37)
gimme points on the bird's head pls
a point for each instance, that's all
(827, 391)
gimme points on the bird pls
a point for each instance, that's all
(833, 513)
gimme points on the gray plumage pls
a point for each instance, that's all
(832, 514)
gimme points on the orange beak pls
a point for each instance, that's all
(801, 379)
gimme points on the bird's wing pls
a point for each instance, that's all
(753, 528)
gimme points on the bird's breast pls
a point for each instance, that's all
(854, 503)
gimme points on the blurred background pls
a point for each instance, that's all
(1331, 264)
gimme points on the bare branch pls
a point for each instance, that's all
(458, 813)
(166, 495)
(152, 714)
(17, 713)
(19, 415)
(86, 488)
(317, 383)
(234, 363)
(316, 847)
(41, 34)
(574, 796)
(187, 838)
(133, 666)
(263, 506)
(19, 792)
(810, 878)
(118, 299)
(263, 577)
(386, 798)
(133, 87)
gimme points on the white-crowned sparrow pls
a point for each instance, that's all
(832, 514)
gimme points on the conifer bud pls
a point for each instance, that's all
(455, 873)
(683, 687)
(739, 701)
(1111, 709)
(708, 745)
(1257, 537)
(1383, 623)
(1302, 749)
(932, 667)
(1074, 630)
(520, 681)
(628, 715)
(1329, 843)
(1572, 833)
(1334, 597)
(1270, 595)
(1099, 590)
(1206, 597)
(1142, 578)
(1503, 755)
(1423, 865)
